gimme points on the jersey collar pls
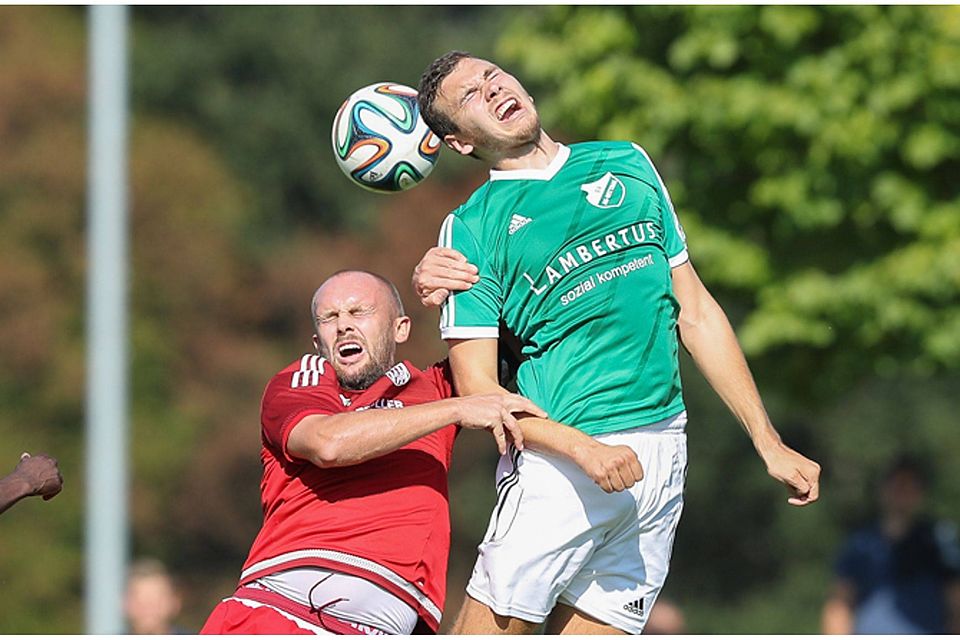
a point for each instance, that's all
(546, 173)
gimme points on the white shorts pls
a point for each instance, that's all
(555, 535)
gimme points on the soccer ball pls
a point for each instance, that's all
(380, 141)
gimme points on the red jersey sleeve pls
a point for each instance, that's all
(442, 377)
(292, 395)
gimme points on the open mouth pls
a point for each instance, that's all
(349, 351)
(507, 109)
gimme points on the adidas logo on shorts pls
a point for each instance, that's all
(635, 607)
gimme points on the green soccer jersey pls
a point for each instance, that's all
(575, 260)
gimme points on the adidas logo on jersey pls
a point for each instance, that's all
(311, 368)
(517, 222)
(635, 607)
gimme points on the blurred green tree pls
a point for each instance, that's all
(812, 153)
(189, 313)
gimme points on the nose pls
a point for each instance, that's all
(344, 323)
(492, 89)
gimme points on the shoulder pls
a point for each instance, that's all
(603, 145)
(473, 216)
(303, 375)
(616, 151)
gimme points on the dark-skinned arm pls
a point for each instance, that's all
(33, 476)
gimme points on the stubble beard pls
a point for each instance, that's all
(381, 359)
(522, 138)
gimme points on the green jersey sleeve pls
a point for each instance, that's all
(675, 241)
(474, 313)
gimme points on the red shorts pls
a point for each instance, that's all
(233, 617)
(263, 612)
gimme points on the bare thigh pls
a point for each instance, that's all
(476, 618)
(569, 621)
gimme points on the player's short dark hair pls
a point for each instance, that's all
(440, 123)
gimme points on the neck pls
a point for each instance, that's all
(534, 155)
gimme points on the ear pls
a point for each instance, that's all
(401, 329)
(316, 343)
(463, 148)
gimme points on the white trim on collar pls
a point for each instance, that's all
(535, 174)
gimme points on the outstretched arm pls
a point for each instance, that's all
(708, 337)
(33, 476)
(614, 468)
(351, 438)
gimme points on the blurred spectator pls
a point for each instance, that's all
(665, 619)
(900, 574)
(33, 476)
(152, 600)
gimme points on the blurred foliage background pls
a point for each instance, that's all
(813, 154)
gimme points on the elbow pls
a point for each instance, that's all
(329, 453)
(697, 317)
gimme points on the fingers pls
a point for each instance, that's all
(606, 485)
(52, 492)
(435, 299)
(510, 424)
(457, 269)
(616, 480)
(450, 281)
(441, 271)
(519, 404)
(500, 437)
(616, 468)
(802, 490)
(446, 252)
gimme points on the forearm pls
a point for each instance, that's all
(539, 434)
(351, 438)
(711, 342)
(12, 490)
(613, 468)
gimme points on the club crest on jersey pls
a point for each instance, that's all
(606, 193)
(399, 374)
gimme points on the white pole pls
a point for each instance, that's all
(106, 457)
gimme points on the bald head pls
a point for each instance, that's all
(364, 279)
(358, 319)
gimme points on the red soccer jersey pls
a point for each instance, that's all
(386, 519)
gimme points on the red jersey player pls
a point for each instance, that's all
(356, 449)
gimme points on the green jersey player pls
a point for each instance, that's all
(576, 259)
(578, 252)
